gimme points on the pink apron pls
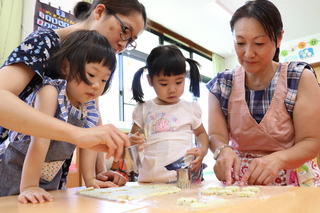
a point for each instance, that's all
(275, 131)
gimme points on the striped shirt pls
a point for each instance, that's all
(89, 111)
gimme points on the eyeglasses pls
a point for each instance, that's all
(125, 34)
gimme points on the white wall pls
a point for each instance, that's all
(10, 27)
(231, 62)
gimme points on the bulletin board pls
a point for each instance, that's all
(50, 17)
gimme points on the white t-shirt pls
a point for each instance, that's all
(169, 135)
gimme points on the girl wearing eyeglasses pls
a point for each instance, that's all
(120, 21)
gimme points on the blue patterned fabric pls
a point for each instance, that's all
(34, 52)
(89, 112)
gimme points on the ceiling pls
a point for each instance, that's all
(207, 24)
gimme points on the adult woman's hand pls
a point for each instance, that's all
(227, 167)
(105, 138)
(261, 171)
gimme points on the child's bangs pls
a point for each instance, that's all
(170, 65)
(100, 54)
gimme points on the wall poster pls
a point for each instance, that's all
(302, 51)
(50, 17)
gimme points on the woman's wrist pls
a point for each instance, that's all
(218, 151)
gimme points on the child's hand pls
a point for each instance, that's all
(196, 163)
(137, 138)
(115, 177)
(34, 195)
(97, 184)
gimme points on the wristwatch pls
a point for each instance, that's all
(218, 150)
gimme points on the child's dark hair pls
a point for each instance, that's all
(167, 60)
(79, 48)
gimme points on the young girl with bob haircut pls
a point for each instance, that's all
(84, 65)
(168, 121)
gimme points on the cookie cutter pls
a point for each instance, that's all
(184, 178)
(132, 158)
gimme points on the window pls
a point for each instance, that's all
(147, 41)
(206, 65)
(109, 103)
(184, 52)
(131, 66)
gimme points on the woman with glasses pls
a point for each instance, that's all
(121, 22)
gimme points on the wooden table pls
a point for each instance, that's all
(295, 200)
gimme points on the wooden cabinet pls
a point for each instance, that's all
(316, 67)
(75, 177)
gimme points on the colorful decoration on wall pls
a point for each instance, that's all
(306, 53)
(314, 42)
(303, 50)
(302, 45)
(51, 17)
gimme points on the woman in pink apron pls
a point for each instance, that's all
(263, 123)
